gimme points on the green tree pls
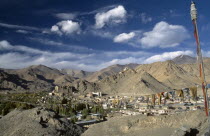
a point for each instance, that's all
(101, 110)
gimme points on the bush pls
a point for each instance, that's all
(74, 119)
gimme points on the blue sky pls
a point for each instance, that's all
(94, 34)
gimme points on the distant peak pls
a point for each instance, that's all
(184, 59)
(184, 56)
(38, 66)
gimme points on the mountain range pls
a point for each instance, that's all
(142, 79)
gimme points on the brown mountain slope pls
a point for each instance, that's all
(111, 70)
(130, 82)
(41, 78)
(35, 71)
(193, 69)
(170, 74)
(41, 73)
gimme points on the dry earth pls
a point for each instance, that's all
(141, 125)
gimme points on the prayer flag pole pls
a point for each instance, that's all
(193, 12)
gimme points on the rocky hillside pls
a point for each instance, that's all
(111, 70)
(194, 122)
(37, 122)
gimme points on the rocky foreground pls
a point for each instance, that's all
(37, 122)
(42, 122)
(192, 123)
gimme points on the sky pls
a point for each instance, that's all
(94, 34)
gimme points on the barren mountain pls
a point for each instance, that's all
(15, 83)
(11, 82)
(39, 71)
(193, 69)
(41, 78)
(129, 82)
(76, 73)
(184, 59)
(111, 70)
(116, 79)
(42, 73)
(170, 74)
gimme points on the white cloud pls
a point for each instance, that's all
(19, 56)
(66, 27)
(66, 16)
(61, 44)
(114, 16)
(22, 31)
(11, 26)
(167, 56)
(6, 46)
(144, 18)
(101, 33)
(164, 35)
(55, 28)
(124, 37)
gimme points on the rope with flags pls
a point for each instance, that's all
(193, 13)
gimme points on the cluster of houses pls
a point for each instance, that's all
(155, 104)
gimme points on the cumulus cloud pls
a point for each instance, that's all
(167, 56)
(124, 37)
(114, 16)
(164, 35)
(66, 16)
(66, 27)
(145, 18)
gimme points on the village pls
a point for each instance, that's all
(94, 107)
